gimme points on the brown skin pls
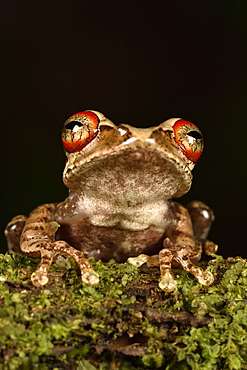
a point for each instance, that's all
(121, 180)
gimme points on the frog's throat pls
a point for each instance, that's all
(110, 169)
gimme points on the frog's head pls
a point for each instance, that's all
(107, 157)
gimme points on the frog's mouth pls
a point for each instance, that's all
(134, 171)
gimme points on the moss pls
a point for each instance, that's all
(124, 322)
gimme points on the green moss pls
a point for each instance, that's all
(124, 322)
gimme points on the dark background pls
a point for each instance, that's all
(138, 62)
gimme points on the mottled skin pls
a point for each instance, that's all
(121, 180)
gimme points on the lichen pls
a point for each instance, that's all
(125, 321)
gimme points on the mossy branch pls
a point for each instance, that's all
(124, 322)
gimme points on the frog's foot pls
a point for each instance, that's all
(39, 277)
(163, 259)
(144, 258)
(168, 282)
(49, 251)
(139, 260)
(88, 275)
(209, 247)
(182, 257)
(203, 277)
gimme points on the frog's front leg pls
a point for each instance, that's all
(182, 249)
(38, 240)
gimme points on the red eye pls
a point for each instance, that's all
(79, 130)
(189, 138)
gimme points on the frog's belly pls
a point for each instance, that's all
(111, 242)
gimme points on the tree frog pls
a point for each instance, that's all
(121, 182)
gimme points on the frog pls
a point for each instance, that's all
(121, 181)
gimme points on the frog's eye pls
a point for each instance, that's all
(189, 138)
(79, 130)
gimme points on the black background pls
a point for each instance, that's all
(139, 62)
